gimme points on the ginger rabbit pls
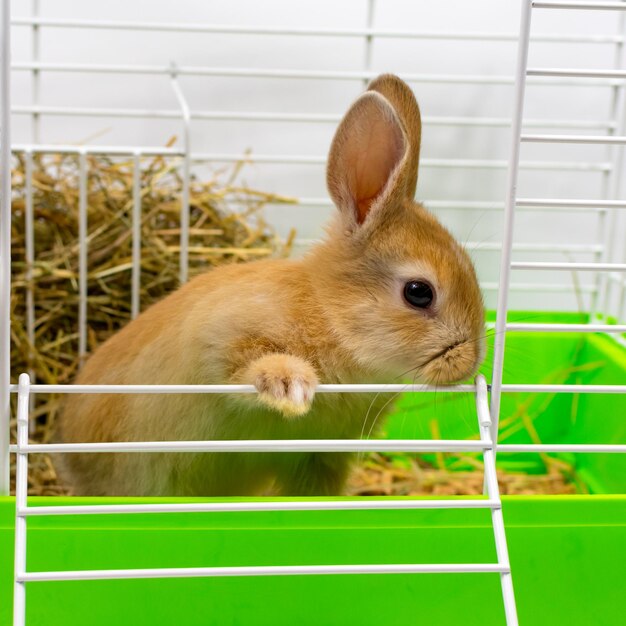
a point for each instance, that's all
(388, 293)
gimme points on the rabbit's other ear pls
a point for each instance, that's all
(401, 98)
(372, 165)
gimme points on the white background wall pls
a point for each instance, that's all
(556, 101)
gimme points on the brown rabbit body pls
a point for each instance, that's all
(389, 292)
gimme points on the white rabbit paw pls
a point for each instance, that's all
(285, 383)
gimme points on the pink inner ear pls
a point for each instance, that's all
(376, 152)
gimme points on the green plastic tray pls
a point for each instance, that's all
(567, 556)
(567, 552)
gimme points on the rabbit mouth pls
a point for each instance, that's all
(444, 352)
(451, 364)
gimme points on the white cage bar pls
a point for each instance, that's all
(509, 215)
(606, 78)
(186, 175)
(275, 570)
(82, 254)
(29, 244)
(369, 32)
(5, 245)
(136, 226)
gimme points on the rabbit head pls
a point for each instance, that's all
(400, 293)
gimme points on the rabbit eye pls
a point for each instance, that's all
(418, 294)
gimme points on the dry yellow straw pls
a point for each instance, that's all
(226, 226)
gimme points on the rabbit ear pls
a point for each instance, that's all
(401, 98)
(373, 158)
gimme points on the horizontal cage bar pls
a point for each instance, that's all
(392, 388)
(245, 72)
(540, 388)
(592, 267)
(562, 448)
(574, 73)
(249, 72)
(202, 507)
(349, 445)
(539, 287)
(482, 246)
(481, 205)
(269, 116)
(108, 150)
(578, 166)
(272, 570)
(587, 6)
(262, 445)
(570, 203)
(310, 32)
(296, 159)
(324, 388)
(591, 139)
(568, 328)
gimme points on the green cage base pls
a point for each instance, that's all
(567, 557)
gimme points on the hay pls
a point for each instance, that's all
(401, 475)
(226, 226)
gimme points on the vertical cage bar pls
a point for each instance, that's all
(611, 186)
(621, 298)
(21, 495)
(184, 201)
(369, 38)
(5, 243)
(620, 289)
(613, 223)
(509, 217)
(35, 73)
(29, 246)
(82, 256)
(136, 254)
(493, 492)
(601, 234)
(184, 213)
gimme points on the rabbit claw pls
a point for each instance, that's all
(285, 383)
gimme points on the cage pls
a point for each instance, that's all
(526, 125)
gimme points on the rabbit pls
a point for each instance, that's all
(388, 293)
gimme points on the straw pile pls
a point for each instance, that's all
(226, 226)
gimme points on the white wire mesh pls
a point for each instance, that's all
(268, 130)
(492, 502)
